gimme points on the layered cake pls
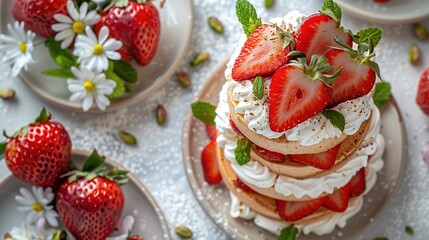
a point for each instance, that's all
(299, 138)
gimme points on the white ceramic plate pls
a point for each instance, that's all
(216, 201)
(149, 220)
(176, 27)
(393, 12)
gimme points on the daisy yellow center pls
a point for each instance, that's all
(89, 86)
(22, 47)
(78, 27)
(37, 207)
(98, 49)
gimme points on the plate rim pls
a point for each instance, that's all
(192, 180)
(359, 13)
(131, 176)
(126, 102)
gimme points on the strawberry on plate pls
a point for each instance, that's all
(235, 128)
(324, 160)
(242, 185)
(262, 54)
(90, 201)
(299, 91)
(209, 163)
(211, 131)
(422, 98)
(137, 25)
(338, 201)
(38, 153)
(358, 183)
(38, 15)
(294, 211)
(269, 155)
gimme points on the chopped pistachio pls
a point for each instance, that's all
(215, 24)
(414, 54)
(127, 138)
(268, 3)
(421, 31)
(409, 230)
(161, 115)
(183, 79)
(183, 232)
(7, 93)
(200, 58)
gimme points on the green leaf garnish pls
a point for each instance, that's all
(119, 88)
(382, 94)
(2, 149)
(374, 66)
(204, 111)
(60, 73)
(332, 9)
(409, 230)
(258, 87)
(43, 116)
(247, 16)
(120, 3)
(93, 162)
(62, 57)
(242, 151)
(288, 233)
(368, 34)
(336, 118)
(125, 71)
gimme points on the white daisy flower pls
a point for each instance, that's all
(124, 229)
(37, 205)
(89, 86)
(17, 48)
(94, 52)
(68, 27)
(20, 233)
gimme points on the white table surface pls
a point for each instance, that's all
(157, 158)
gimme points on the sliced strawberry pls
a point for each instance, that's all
(339, 200)
(211, 131)
(235, 128)
(324, 160)
(422, 98)
(242, 185)
(294, 98)
(381, 1)
(355, 80)
(209, 162)
(270, 156)
(316, 35)
(358, 183)
(294, 211)
(262, 54)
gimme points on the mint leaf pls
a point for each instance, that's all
(332, 9)
(60, 73)
(62, 57)
(242, 151)
(125, 71)
(288, 233)
(204, 111)
(382, 94)
(367, 35)
(120, 3)
(2, 149)
(374, 66)
(247, 16)
(258, 87)
(336, 118)
(93, 162)
(119, 88)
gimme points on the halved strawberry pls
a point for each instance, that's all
(270, 156)
(294, 211)
(242, 185)
(295, 97)
(235, 128)
(209, 162)
(355, 80)
(358, 183)
(262, 54)
(211, 131)
(339, 200)
(422, 98)
(324, 160)
(316, 35)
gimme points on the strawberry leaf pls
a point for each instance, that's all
(367, 35)
(43, 116)
(2, 149)
(336, 118)
(119, 88)
(204, 111)
(62, 57)
(332, 9)
(120, 3)
(374, 66)
(258, 87)
(247, 16)
(125, 71)
(288, 233)
(242, 151)
(93, 162)
(60, 73)
(382, 94)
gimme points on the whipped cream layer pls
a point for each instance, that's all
(325, 226)
(260, 176)
(310, 132)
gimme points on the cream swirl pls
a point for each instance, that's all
(255, 174)
(239, 209)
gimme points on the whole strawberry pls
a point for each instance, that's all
(38, 153)
(422, 98)
(137, 25)
(90, 202)
(38, 15)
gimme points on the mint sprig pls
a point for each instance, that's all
(242, 151)
(125, 71)
(247, 16)
(258, 87)
(336, 118)
(368, 35)
(119, 88)
(332, 9)
(288, 233)
(382, 94)
(204, 112)
(62, 57)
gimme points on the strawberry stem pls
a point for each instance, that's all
(43, 116)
